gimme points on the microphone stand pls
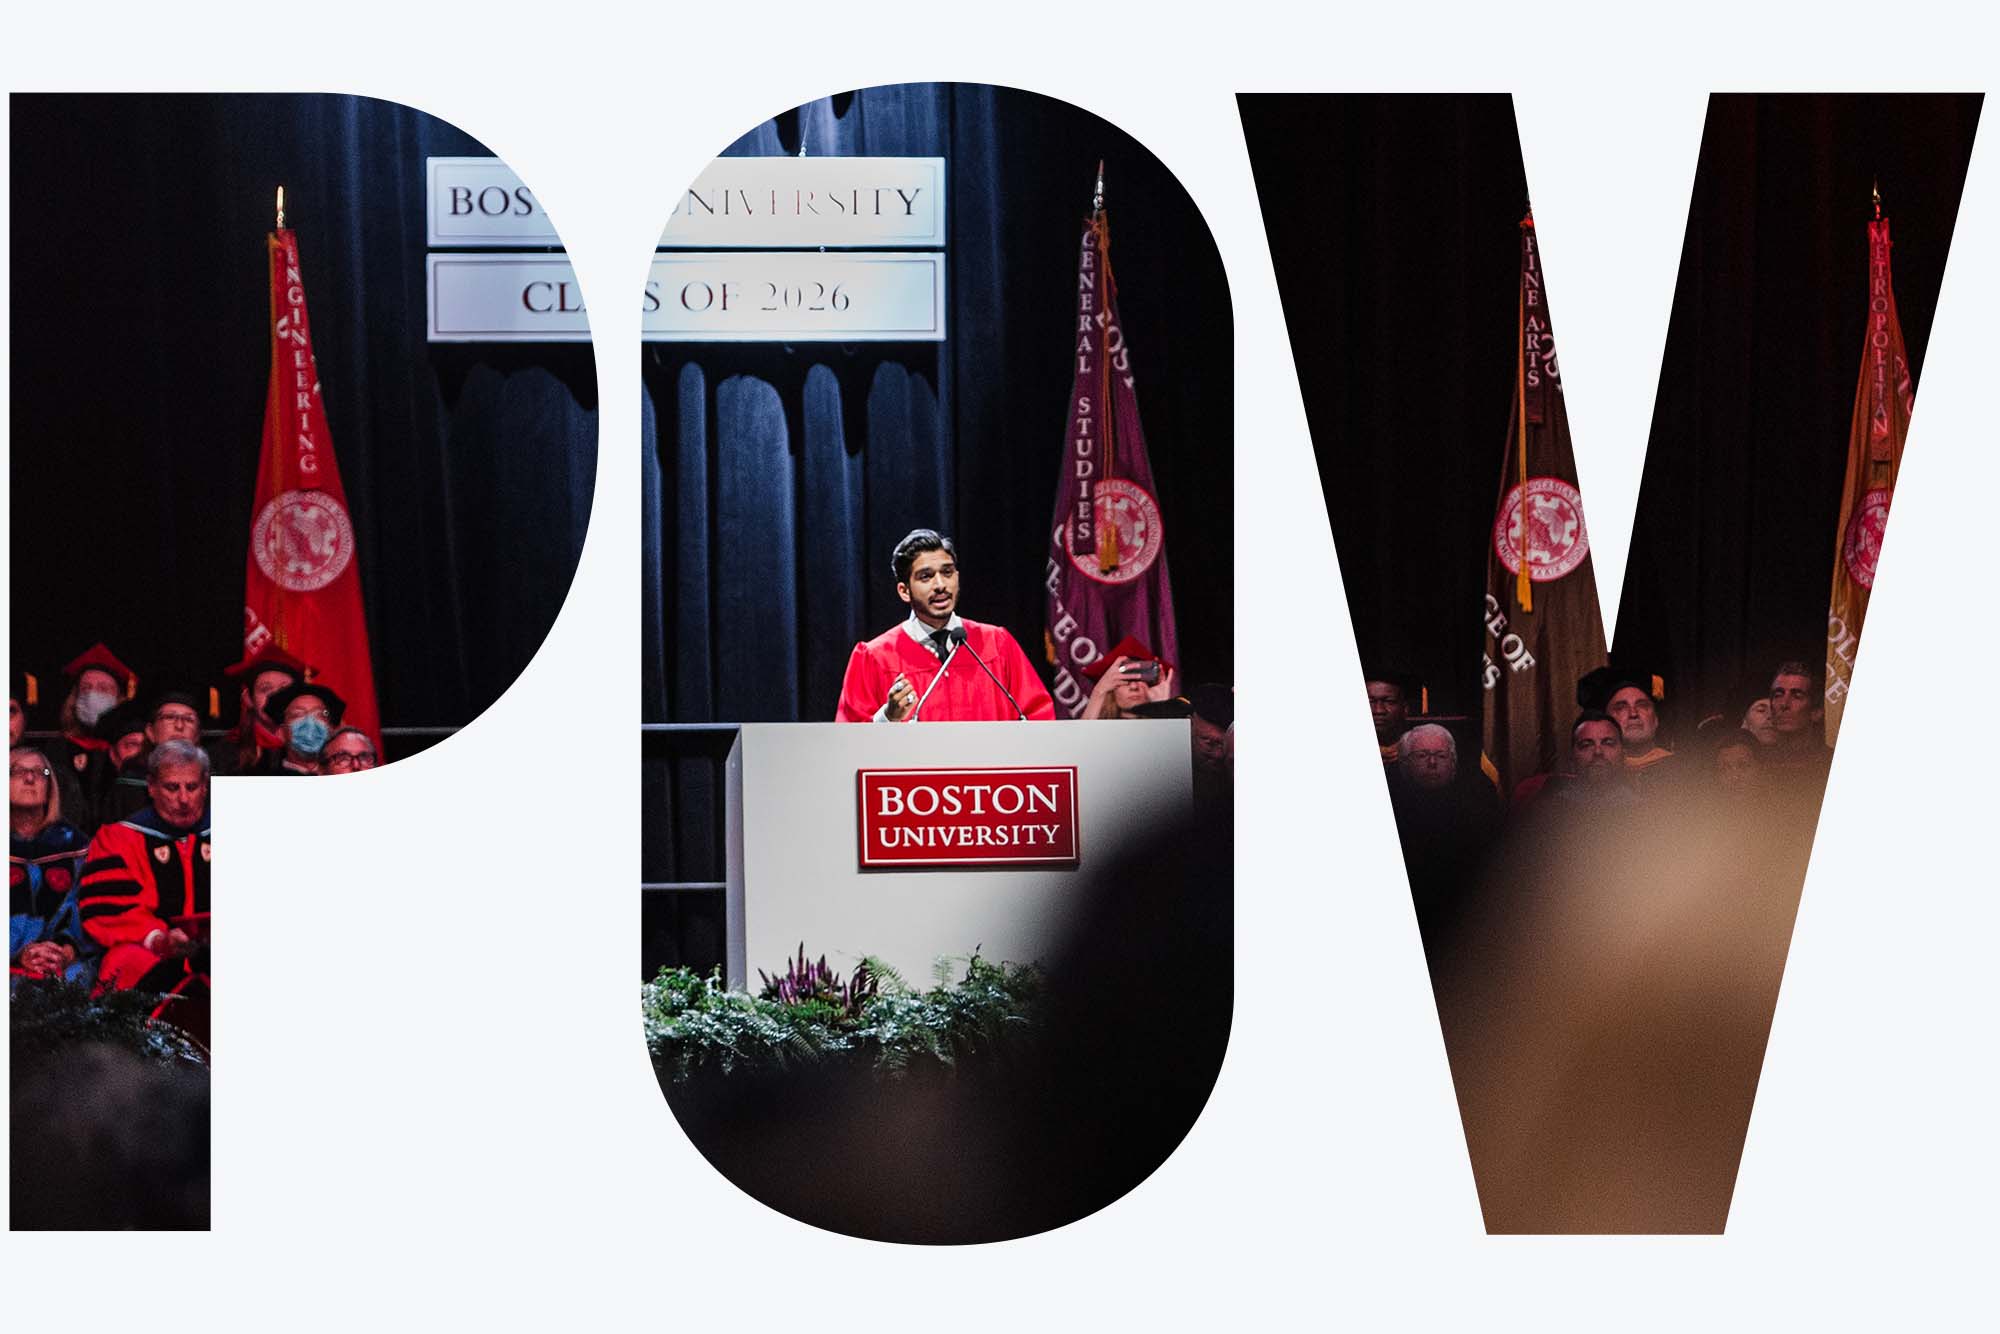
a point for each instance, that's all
(1020, 715)
(958, 642)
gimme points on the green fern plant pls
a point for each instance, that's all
(808, 1014)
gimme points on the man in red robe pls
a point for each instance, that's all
(901, 674)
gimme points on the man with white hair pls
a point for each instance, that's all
(143, 889)
(1446, 825)
(1427, 757)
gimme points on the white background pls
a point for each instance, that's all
(479, 1138)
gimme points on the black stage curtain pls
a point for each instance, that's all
(140, 360)
(1732, 552)
(1393, 229)
(778, 478)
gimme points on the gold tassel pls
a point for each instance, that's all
(1107, 547)
(34, 688)
(214, 703)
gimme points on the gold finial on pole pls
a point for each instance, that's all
(281, 208)
(1875, 189)
(1097, 196)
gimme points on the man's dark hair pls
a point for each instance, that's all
(1794, 667)
(919, 541)
(1594, 716)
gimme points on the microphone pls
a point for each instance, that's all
(1020, 714)
(957, 643)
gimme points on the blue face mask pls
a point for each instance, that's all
(308, 735)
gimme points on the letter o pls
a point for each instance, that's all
(917, 792)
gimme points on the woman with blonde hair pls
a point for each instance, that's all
(44, 935)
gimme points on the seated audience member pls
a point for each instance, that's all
(98, 681)
(174, 715)
(1798, 712)
(121, 777)
(44, 935)
(144, 891)
(258, 677)
(1122, 681)
(305, 712)
(1735, 765)
(1632, 700)
(347, 751)
(1446, 823)
(1389, 706)
(1757, 721)
(1211, 731)
(1593, 773)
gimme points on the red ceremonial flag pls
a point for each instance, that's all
(1882, 403)
(1107, 567)
(1543, 627)
(303, 592)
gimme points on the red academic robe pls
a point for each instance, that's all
(965, 695)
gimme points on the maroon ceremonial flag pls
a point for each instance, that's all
(303, 591)
(1882, 403)
(1543, 626)
(1107, 566)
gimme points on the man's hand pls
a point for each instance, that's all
(169, 944)
(902, 699)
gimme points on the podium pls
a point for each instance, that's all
(915, 842)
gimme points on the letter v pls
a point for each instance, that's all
(1607, 981)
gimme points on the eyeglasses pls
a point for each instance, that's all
(314, 713)
(24, 771)
(185, 719)
(338, 763)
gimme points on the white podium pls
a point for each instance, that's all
(796, 861)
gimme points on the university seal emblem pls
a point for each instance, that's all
(303, 540)
(1862, 544)
(1552, 512)
(1126, 509)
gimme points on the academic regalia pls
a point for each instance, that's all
(143, 875)
(965, 694)
(243, 747)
